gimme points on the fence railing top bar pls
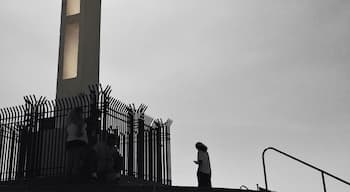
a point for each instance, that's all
(303, 162)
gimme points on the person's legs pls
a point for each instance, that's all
(207, 178)
(69, 167)
(73, 164)
(86, 162)
(198, 179)
(90, 164)
(75, 161)
(202, 181)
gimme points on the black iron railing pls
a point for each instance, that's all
(323, 172)
(32, 136)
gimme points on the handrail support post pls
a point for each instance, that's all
(264, 167)
(324, 182)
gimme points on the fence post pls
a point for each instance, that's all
(168, 155)
(150, 154)
(12, 154)
(140, 146)
(1, 140)
(131, 141)
(105, 111)
(34, 142)
(29, 143)
(22, 140)
(40, 113)
(159, 153)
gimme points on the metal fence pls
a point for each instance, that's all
(32, 136)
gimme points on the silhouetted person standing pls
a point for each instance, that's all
(204, 170)
(108, 159)
(76, 143)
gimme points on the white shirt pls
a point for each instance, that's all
(204, 165)
(72, 130)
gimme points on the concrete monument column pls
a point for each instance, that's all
(79, 48)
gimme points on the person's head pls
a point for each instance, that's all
(75, 115)
(111, 139)
(201, 146)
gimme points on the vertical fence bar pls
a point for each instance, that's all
(166, 174)
(57, 113)
(135, 145)
(150, 156)
(43, 132)
(169, 155)
(163, 156)
(159, 154)
(140, 151)
(62, 125)
(12, 146)
(40, 127)
(3, 129)
(39, 130)
(12, 134)
(131, 142)
(55, 150)
(37, 146)
(155, 150)
(165, 147)
(146, 155)
(15, 157)
(50, 139)
(59, 130)
(104, 114)
(29, 141)
(34, 141)
(3, 155)
(22, 145)
(1, 140)
(6, 146)
(124, 154)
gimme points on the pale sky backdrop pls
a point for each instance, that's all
(238, 75)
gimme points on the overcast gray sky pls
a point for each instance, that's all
(237, 75)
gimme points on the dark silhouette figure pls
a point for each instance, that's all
(76, 143)
(204, 170)
(109, 159)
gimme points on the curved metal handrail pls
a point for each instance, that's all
(323, 172)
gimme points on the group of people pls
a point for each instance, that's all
(87, 159)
